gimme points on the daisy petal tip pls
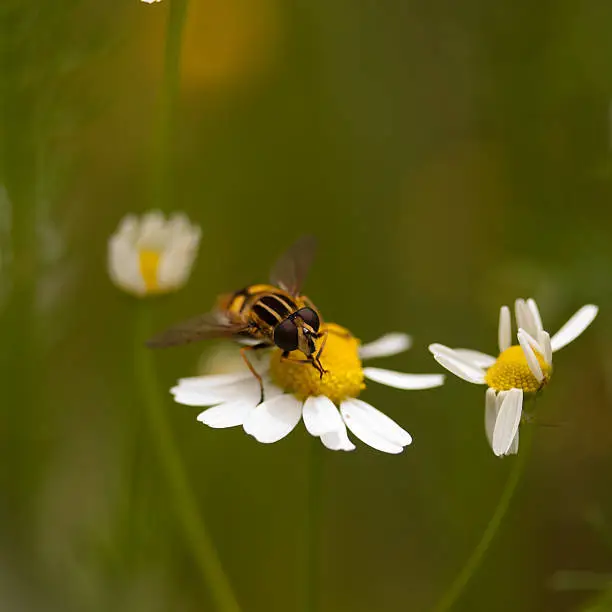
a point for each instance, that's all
(574, 327)
(437, 380)
(468, 372)
(436, 348)
(530, 356)
(505, 329)
(386, 346)
(274, 419)
(373, 427)
(401, 380)
(507, 422)
(337, 440)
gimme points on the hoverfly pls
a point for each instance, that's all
(271, 315)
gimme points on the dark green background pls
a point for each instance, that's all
(450, 156)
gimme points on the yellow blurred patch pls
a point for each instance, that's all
(226, 43)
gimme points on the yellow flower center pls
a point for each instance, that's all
(340, 358)
(511, 371)
(149, 265)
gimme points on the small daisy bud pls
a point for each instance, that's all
(152, 255)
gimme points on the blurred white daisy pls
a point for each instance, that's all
(152, 254)
(150, 1)
(293, 391)
(524, 368)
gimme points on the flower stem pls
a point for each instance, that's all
(456, 589)
(185, 503)
(312, 530)
(164, 129)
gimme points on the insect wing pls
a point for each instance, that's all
(203, 327)
(289, 272)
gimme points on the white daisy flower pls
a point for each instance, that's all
(292, 391)
(150, 1)
(152, 255)
(523, 368)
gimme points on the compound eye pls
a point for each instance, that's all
(286, 335)
(310, 317)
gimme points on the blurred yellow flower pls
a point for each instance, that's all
(152, 255)
(294, 391)
(519, 369)
(229, 44)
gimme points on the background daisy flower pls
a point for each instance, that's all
(151, 254)
(293, 391)
(523, 368)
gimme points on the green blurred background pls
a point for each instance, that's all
(450, 156)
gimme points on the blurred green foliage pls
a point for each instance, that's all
(450, 156)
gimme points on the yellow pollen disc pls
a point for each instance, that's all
(340, 357)
(149, 265)
(511, 371)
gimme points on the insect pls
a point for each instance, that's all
(271, 315)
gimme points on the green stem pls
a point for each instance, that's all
(312, 530)
(181, 493)
(456, 589)
(163, 135)
(185, 502)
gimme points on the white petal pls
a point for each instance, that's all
(400, 380)
(513, 450)
(574, 327)
(532, 360)
(274, 419)
(519, 313)
(532, 341)
(129, 228)
(179, 227)
(373, 427)
(174, 269)
(456, 364)
(471, 359)
(482, 360)
(153, 234)
(192, 394)
(229, 414)
(524, 317)
(544, 342)
(215, 380)
(124, 266)
(191, 397)
(321, 416)
(490, 414)
(390, 344)
(535, 313)
(508, 421)
(504, 333)
(338, 440)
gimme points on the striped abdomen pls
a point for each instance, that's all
(262, 304)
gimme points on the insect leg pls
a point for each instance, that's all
(243, 354)
(317, 358)
(313, 361)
